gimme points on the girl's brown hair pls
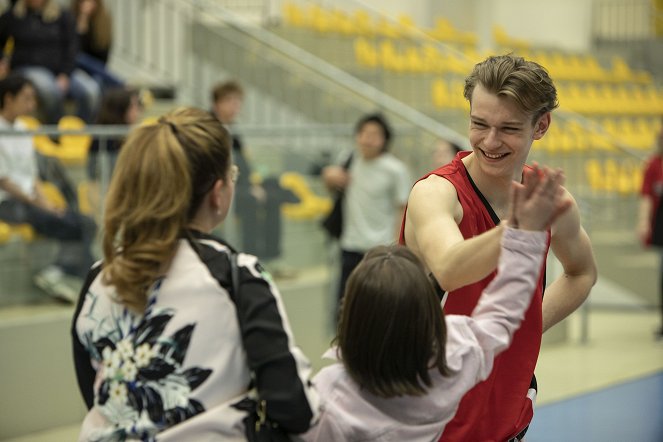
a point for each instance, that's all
(162, 174)
(100, 25)
(114, 105)
(391, 331)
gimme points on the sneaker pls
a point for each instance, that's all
(52, 281)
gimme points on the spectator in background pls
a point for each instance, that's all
(44, 50)
(22, 201)
(445, 151)
(257, 204)
(376, 187)
(119, 106)
(95, 35)
(193, 336)
(650, 215)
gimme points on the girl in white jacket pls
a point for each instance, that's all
(404, 367)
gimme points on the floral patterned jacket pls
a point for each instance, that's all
(179, 371)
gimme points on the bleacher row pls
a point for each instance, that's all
(620, 106)
(427, 57)
(609, 176)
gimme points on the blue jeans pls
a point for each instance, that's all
(74, 231)
(83, 89)
(97, 70)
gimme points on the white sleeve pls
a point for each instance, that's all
(5, 163)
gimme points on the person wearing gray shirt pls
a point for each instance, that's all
(376, 186)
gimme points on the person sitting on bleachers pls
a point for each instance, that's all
(95, 37)
(120, 106)
(44, 50)
(22, 202)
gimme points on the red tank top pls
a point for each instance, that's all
(498, 408)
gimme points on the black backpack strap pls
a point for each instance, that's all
(348, 162)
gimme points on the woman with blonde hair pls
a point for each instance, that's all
(168, 339)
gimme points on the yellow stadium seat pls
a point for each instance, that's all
(611, 175)
(342, 23)
(310, 205)
(320, 19)
(593, 69)
(594, 175)
(42, 143)
(5, 232)
(53, 195)
(457, 63)
(407, 26)
(85, 198)
(433, 60)
(73, 148)
(441, 94)
(443, 30)
(294, 15)
(363, 24)
(8, 50)
(386, 28)
(390, 58)
(620, 70)
(25, 232)
(365, 53)
(414, 62)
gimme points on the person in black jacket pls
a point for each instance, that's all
(44, 50)
(170, 342)
(257, 205)
(95, 36)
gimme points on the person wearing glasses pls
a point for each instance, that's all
(258, 200)
(168, 340)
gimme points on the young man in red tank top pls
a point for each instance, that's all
(453, 223)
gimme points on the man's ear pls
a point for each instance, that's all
(542, 125)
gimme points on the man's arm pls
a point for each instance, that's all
(38, 199)
(572, 247)
(431, 230)
(12, 189)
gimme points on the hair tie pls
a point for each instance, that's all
(172, 127)
(163, 120)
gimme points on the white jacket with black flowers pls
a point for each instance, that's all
(176, 372)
